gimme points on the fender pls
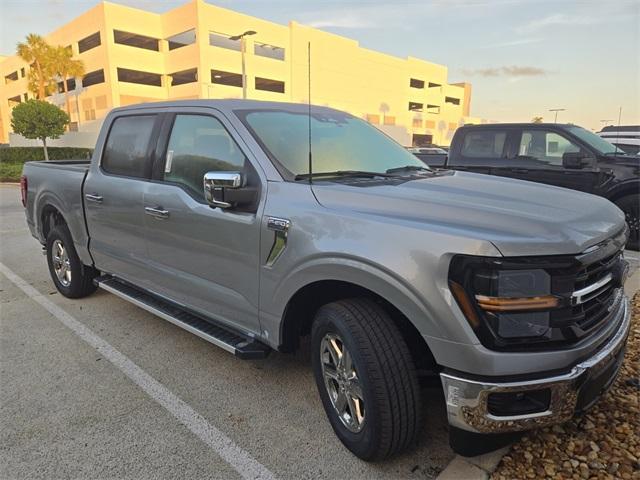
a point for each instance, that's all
(74, 223)
(627, 187)
(364, 274)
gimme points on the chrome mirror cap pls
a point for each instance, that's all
(215, 184)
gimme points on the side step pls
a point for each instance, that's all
(240, 345)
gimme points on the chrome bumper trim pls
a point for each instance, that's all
(466, 399)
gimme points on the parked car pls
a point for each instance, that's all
(563, 155)
(432, 156)
(625, 137)
(205, 213)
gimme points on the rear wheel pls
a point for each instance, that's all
(630, 205)
(71, 277)
(366, 378)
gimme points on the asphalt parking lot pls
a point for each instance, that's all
(190, 410)
(100, 388)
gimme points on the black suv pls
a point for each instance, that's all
(564, 155)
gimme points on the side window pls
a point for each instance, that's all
(545, 147)
(200, 144)
(483, 144)
(125, 152)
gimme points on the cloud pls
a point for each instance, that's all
(556, 20)
(348, 21)
(513, 43)
(512, 71)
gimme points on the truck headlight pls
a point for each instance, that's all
(505, 301)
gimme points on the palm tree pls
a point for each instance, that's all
(37, 53)
(65, 67)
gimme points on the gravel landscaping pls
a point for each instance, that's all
(602, 444)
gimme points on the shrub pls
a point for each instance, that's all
(27, 154)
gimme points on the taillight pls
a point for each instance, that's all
(23, 190)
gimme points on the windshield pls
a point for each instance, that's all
(340, 142)
(595, 141)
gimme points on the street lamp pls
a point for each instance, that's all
(556, 110)
(243, 48)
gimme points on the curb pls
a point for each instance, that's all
(482, 466)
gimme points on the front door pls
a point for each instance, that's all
(205, 258)
(538, 155)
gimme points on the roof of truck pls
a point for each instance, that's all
(522, 124)
(227, 104)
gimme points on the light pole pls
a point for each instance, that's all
(243, 48)
(556, 110)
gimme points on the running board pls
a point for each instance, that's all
(240, 345)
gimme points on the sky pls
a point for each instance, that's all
(523, 57)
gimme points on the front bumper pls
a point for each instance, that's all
(467, 400)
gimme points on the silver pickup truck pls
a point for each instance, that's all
(206, 214)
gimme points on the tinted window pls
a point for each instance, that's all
(87, 43)
(483, 144)
(136, 40)
(199, 144)
(269, 85)
(545, 147)
(182, 39)
(136, 76)
(93, 78)
(125, 152)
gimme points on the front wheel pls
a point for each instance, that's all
(630, 205)
(71, 277)
(366, 378)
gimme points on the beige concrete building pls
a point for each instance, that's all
(133, 56)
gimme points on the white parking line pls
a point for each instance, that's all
(235, 456)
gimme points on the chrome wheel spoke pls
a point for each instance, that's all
(61, 263)
(342, 382)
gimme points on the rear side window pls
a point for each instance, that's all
(483, 144)
(200, 144)
(125, 152)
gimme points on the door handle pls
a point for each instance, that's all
(92, 197)
(157, 212)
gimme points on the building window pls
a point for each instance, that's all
(388, 120)
(12, 77)
(93, 78)
(371, 118)
(434, 85)
(184, 76)
(223, 41)
(429, 124)
(141, 78)
(433, 108)
(135, 40)
(90, 114)
(455, 101)
(87, 43)
(22, 72)
(13, 101)
(269, 85)
(269, 51)
(417, 123)
(415, 83)
(73, 126)
(415, 106)
(226, 78)
(71, 85)
(182, 39)
(26, 96)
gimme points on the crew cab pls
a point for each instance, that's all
(556, 154)
(221, 217)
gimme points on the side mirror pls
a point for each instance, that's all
(576, 160)
(218, 185)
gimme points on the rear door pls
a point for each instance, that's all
(113, 196)
(202, 257)
(538, 157)
(479, 149)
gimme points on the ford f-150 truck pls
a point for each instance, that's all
(206, 214)
(556, 154)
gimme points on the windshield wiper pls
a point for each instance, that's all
(342, 173)
(409, 168)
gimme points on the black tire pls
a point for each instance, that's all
(630, 205)
(387, 377)
(80, 284)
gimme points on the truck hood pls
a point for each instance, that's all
(518, 217)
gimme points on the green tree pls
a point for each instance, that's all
(37, 119)
(39, 55)
(65, 67)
